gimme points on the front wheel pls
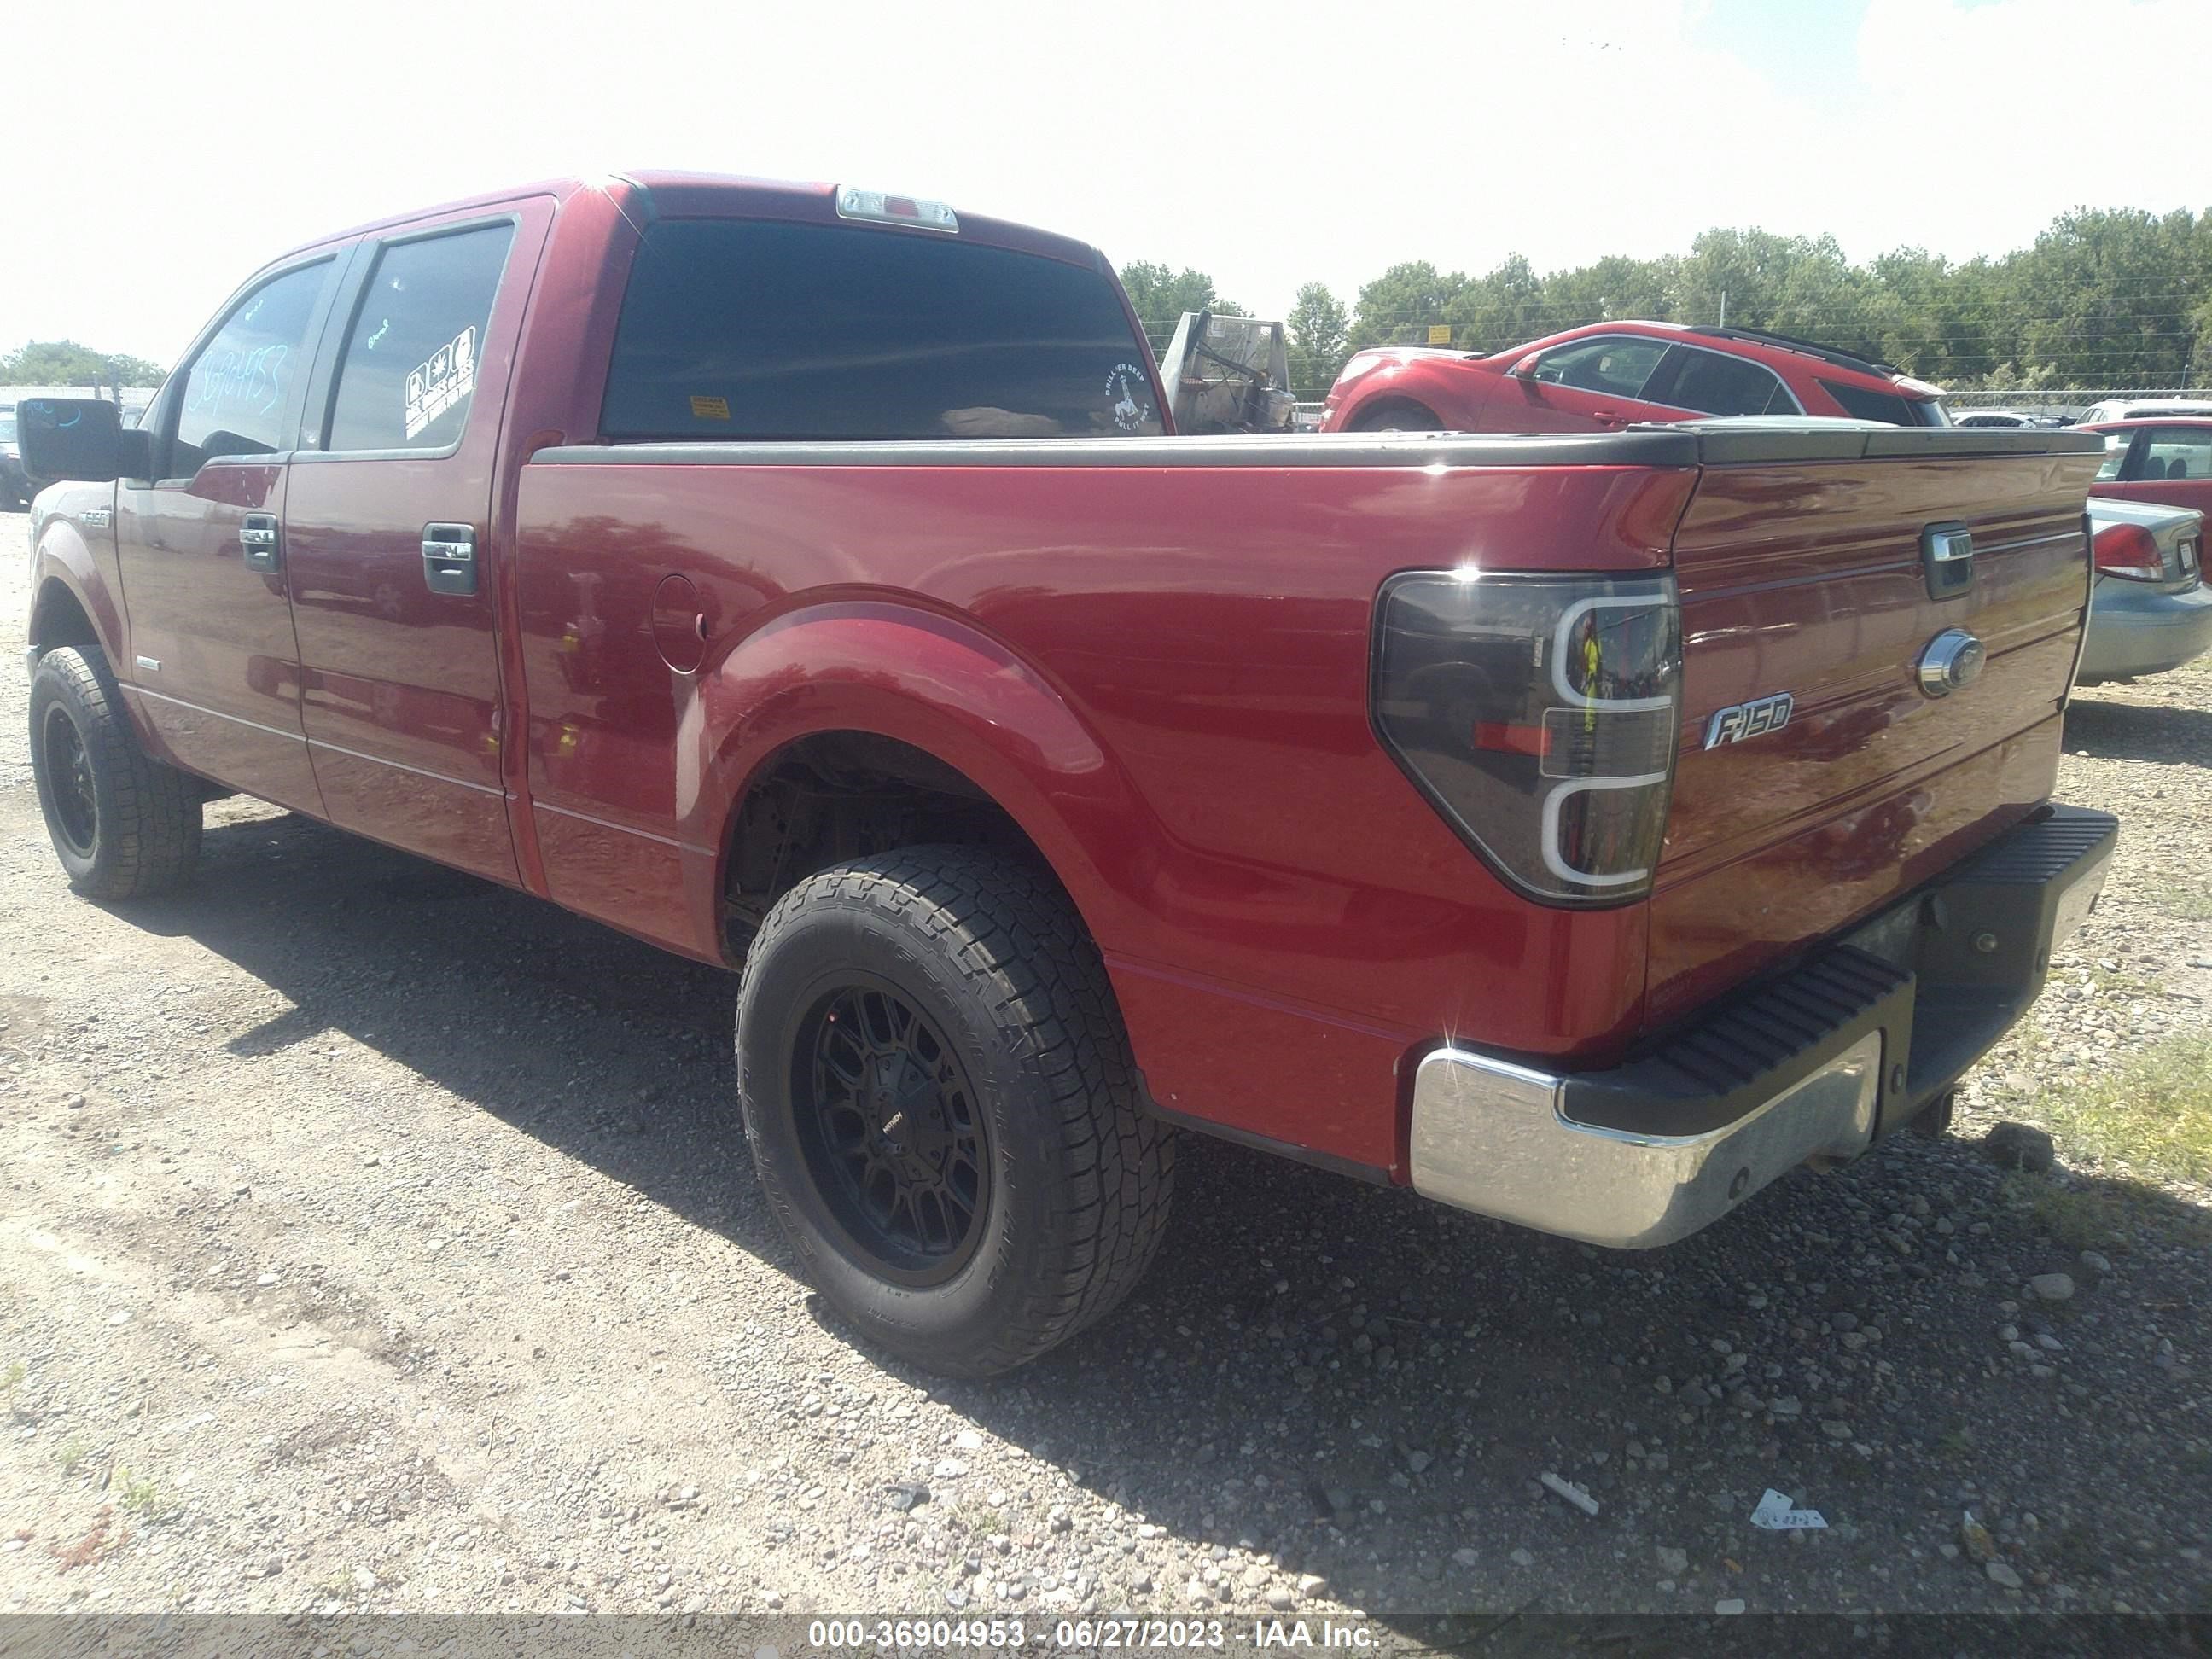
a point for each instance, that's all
(942, 1107)
(124, 826)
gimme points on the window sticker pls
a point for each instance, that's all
(710, 409)
(436, 386)
(1131, 389)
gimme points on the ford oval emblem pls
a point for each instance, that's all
(1952, 662)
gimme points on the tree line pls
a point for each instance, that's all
(2106, 298)
(65, 362)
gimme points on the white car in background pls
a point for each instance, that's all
(2136, 409)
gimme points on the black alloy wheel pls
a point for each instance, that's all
(892, 1134)
(68, 768)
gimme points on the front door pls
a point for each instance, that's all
(1583, 386)
(387, 532)
(212, 663)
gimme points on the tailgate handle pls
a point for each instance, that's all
(449, 558)
(1947, 558)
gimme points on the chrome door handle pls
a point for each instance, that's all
(449, 558)
(259, 543)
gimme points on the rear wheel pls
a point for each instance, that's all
(1400, 414)
(124, 826)
(943, 1110)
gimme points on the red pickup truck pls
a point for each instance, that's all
(1585, 829)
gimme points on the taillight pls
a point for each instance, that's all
(2130, 552)
(1538, 714)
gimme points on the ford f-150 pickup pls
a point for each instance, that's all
(1584, 830)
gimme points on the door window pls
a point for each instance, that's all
(1713, 384)
(1618, 364)
(240, 390)
(2176, 452)
(409, 370)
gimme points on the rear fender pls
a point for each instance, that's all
(948, 689)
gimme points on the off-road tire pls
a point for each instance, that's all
(143, 836)
(1080, 1175)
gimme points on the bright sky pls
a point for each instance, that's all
(1269, 144)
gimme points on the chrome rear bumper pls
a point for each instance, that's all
(1495, 1137)
(1812, 1063)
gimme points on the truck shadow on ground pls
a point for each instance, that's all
(2137, 732)
(1364, 1386)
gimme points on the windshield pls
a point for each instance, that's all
(2116, 455)
(7, 426)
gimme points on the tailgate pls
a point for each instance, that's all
(1809, 567)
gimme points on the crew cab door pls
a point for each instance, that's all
(388, 531)
(212, 663)
(1583, 386)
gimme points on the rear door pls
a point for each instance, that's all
(387, 526)
(1693, 381)
(2172, 464)
(1583, 386)
(1820, 582)
(213, 664)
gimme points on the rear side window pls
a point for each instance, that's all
(2176, 452)
(1714, 385)
(240, 386)
(735, 329)
(409, 370)
(1862, 402)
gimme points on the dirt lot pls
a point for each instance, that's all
(375, 1238)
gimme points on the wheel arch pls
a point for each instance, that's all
(71, 601)
(912, 695)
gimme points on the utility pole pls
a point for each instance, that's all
(1724, 308)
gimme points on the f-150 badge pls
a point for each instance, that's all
(1748, 719)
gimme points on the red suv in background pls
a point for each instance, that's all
(1610, 374)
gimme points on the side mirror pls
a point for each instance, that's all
(1525, 370)
(79, 439)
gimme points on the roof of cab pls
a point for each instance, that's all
(669, 194)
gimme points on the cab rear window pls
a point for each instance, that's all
(735, 329)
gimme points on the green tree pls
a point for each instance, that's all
(1320, 340)
(1398, 307)
(1160, 297)
(65, 362)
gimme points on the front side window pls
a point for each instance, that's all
(2176, 452)
(1714, 385)
(239, 390)
(2116, 455)
(750, 329)
(1620, 364)
(409, 370)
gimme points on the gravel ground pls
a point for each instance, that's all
(374, 1238)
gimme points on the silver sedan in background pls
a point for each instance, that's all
(2149, 610)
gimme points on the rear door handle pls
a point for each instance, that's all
(259, 542)
(449, 557)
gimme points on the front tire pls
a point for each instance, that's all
(943, 1109)
(1400, 414)
(124, 826)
